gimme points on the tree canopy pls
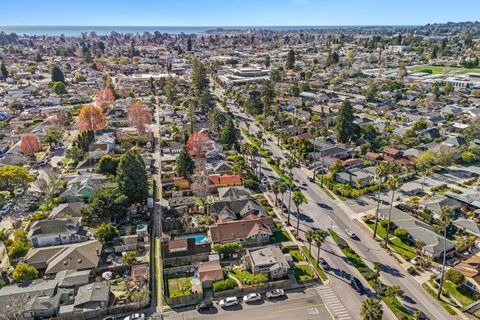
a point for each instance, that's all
(57, 74)
(132, 177)
(14, 177)
(24, 272)
(104, 206)
(106, 232)
(345, 128)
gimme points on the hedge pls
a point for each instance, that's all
(223, 285)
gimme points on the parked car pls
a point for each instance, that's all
(275, 293)
(357, 285)
(43, 162)
(252, 297)
(324, 264)
(415, 261)
(5, 209)
(228, 302)
(311, 179)
(205, 305)
(109, 318)
(350, 233)
(19, 192)
(135, 316)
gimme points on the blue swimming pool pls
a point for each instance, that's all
(199, 237)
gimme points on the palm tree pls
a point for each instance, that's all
(371, 310)
(298, 199)
(446, 219)
(289, 164)
(393, 184)
(248, 127)
(417, 314)
(282, 187)
(276, 189)
(419, 244)
(310, 236)
(319, 237)
(377, 266)
(382, 169)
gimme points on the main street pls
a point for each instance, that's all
(327, 212)
(304, 305)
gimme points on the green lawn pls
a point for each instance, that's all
(462, 293)
(296, 255)
(314, 264)
(240, 275)
(281, 236)
(403, 249)
(178, 287)
(303, 272)
(445, 305)
(442, 69)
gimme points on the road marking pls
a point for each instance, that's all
(313, 311)
(299, 308)
(333, 304)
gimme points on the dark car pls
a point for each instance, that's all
(205, 305)
(357, 285)
(324, 264)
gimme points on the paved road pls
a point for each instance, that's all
(322, 209)
(304, 305)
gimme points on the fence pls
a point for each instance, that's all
(98, 313)
(184, 300)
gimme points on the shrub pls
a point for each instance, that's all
(342, 244)
(380, 288)
(384, 223)
(455, 276)
(401, 233)
(223, 285)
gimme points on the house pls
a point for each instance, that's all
(436, 203)
(219, 181)
(103, 145)
(77, 256)
(92, 296)
(233, 208)
(69, 209)
(56, 232)
(468, 225)
(470, 268)
(421, 231)
(209, 272)
(373, 156)
(268, 260)
(251, 229)
(391, 154)
(84, 186)
(233, 192)
(357, 178)
(125, 243)
(471, 198)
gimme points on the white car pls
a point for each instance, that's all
(350, 233)
(228, 302)
(252, 297)
(135, 316)
(415, 261)
(275, 293)
(5, 209)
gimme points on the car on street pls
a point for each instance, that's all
(357, 285)
(135, 316)
(311, 179)
(43, 162)
(228, 302)
(323, 264)
(205, 305)
(350, 234)
(109, 318)
(275, 293)
(5, 209)
(19, 192)
(252, 297)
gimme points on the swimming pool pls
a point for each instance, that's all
(199, 237)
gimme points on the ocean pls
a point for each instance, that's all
(106, 30)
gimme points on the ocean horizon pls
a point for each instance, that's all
(31, 30)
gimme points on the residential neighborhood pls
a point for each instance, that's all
(313, 173)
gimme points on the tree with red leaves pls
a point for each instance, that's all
(91, 118)
(104, 97)
(198, 144)
(139, 116)
(29, 145)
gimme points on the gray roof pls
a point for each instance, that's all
(56, 226)
(92, 292)
(469, 225)
(269, 256)
(72, 278)
(233, 192)
(437, 202)
(8, 294)
(419, 230)
(470, 197)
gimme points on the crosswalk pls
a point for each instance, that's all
(334, 305)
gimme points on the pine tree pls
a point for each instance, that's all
(189, 44)
(228, 136)
(132, 177)
(3, 70)
(290, 63)
(57, 74)
(345, 127)
(200, 85)
(185, 164)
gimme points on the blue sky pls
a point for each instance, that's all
(236, 12)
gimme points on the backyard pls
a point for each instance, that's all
(303, 272)
(396, 243)
(281, 236)
(178, 287)
(443, 69)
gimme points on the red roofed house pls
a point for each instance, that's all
(227, 180)
(198, 144)
(251, 229)
(373, 156)
(391, 153)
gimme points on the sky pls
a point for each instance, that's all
(236, 12)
